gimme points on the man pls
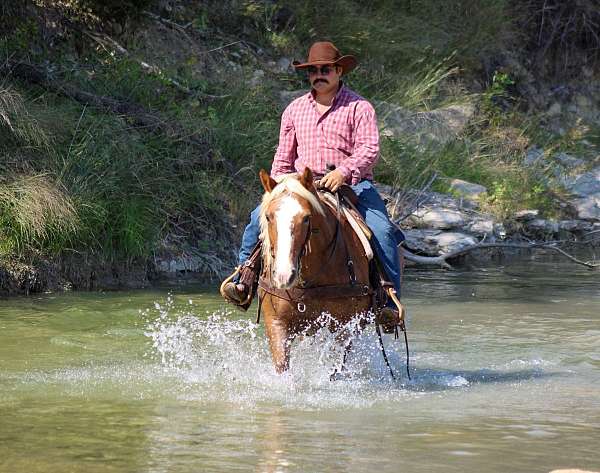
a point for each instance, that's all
(331, 125)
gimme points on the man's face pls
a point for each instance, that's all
(324, 78)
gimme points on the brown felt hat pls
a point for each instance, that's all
(324, 52)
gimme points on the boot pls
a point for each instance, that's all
(235, 293)
(388, 319)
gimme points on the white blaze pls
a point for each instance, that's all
(284, 217)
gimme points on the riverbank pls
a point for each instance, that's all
(131, 135)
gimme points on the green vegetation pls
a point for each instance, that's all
(79, 179)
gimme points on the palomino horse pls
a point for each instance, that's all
(312, 264)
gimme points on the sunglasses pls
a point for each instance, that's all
(324, 70)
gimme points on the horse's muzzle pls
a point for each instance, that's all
(284, 281)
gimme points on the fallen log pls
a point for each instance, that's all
(139, 116)
(442, 260)
(107, 42)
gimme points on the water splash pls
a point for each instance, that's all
(222, 357)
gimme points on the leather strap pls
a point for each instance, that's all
(298, 294)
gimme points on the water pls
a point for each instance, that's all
(505, 378)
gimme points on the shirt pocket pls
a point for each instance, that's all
(338, 134)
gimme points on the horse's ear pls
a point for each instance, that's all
(307, 179)
(267, 181)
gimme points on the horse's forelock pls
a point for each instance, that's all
(288, 185)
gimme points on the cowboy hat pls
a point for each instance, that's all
(324, 52)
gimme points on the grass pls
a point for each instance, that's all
(16, 124)
(35, 211)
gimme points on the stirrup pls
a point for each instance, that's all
(401, 310)
(244, 304)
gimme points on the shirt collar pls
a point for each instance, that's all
(339, 93)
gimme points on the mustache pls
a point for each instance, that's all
(316, 81)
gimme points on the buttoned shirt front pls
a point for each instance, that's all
(345, 136)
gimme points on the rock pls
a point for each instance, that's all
(558, 170)
(586, 184)
(454, 118)
(481, 227)
(568, 161)
(575, 225)
(467, 189)
(287, 96)
(451, 241)
(585, 188)
(421, 241)
(526, 215)
(542, 226)
(555, 109)
(258, 78)
(534, 156)
(179, 264)
(234, 66)
(588, 208)
(284, 65)
(437, 218)
(395, 119)
(436, 242)
(434, 127)
(582, 101)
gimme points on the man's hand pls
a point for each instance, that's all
(332, 180)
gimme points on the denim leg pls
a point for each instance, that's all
(250, 237)
(386, 235)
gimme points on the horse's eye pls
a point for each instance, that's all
(268, 217)
(306, 219)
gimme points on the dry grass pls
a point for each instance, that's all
(15, 118)
(36, 209)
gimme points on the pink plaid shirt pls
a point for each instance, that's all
(346, 136)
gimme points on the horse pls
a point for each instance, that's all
(313, 262)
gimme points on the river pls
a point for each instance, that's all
(505, 367)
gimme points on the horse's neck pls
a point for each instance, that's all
(325, 263)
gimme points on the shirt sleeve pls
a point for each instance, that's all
(286, 153)
(366, 146)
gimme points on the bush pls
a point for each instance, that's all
(563, 35)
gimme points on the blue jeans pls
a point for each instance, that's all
(386, 235)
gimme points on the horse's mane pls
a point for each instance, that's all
(288, 184)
